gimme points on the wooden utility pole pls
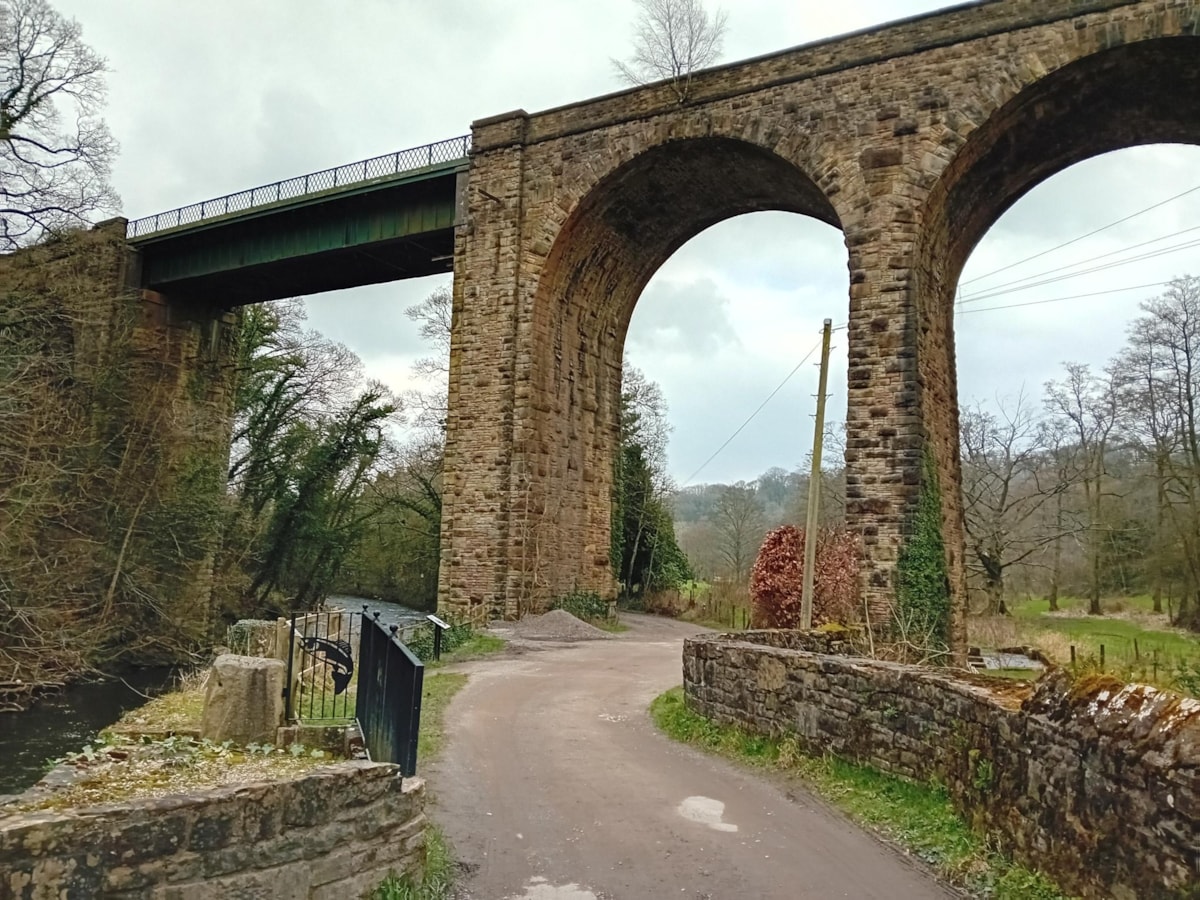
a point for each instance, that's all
(814, 486)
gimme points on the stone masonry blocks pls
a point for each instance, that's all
(912, 139)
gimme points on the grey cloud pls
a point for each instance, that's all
(371, 320)
(216, 97)
(690, 318)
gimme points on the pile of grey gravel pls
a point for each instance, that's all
(557, 625)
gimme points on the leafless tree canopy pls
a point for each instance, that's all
(672, 40)
(55, 150)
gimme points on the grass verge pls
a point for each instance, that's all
(474, 647)
(438, 690)
(917, 817)
(612, 626)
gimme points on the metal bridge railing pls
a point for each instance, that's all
(328, 179)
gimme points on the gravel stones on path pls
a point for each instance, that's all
(556, 625)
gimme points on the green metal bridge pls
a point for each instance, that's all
(382, 219)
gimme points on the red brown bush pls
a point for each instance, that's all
(776, 581)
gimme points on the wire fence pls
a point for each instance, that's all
(349, 175)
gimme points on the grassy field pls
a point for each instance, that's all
(1130, 640)
(919, 818)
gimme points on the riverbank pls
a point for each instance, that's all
(62, 722)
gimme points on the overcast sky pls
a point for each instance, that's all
(209, 98)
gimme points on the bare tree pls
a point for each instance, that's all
(435, 314)
(1005, 485)
(55, 150)
(1161, 366)
(737, 518)
(429, 407)
(1088, 405)
(1062, 455)
(673, 39)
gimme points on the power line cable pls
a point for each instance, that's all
(1161, 251)
(741, 427)
(1012, 287)
(1153, 254)
(1076, 240)
(1134, 287)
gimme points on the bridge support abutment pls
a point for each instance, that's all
(911, 140)
(140, 393)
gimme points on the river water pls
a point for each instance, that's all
(389, 613)
(64, 722)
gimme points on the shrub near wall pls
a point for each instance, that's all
(1095, 783)
(331, 834)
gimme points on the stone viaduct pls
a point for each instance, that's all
(912, 138)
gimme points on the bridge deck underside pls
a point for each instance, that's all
(404, 231)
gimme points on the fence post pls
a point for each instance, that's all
(438, 627)
(287, 688)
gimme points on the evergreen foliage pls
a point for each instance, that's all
(309, 438)
(923, 587)
(646, 555)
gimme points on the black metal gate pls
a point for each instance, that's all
(345, 666)
(390, 678)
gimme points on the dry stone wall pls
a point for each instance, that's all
(1093, 782)
(332, 834)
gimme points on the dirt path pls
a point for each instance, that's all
(555, 785)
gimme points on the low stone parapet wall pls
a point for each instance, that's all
(1093, 782)
(333, 833)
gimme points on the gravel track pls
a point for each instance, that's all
(555, 785)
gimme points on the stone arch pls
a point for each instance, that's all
(603, 254)
(1111, 96)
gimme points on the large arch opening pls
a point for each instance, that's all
(723, 350)
(1125, 96)
(604, 255)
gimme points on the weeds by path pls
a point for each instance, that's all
(917, 817)
(438, 691)
(439, 874)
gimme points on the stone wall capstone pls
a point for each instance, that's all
(1094, 782)
(333, 833)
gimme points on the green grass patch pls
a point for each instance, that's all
(919, 818)
(325, 707)
(438, 690)
(612, 626)
(1137, 646)
(439, 874)
(476, 646)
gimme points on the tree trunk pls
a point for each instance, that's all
(1056, 569)
(993, 585)
(1159, 515)
(1094, 540)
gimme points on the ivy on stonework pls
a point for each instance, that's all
(923, 585)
